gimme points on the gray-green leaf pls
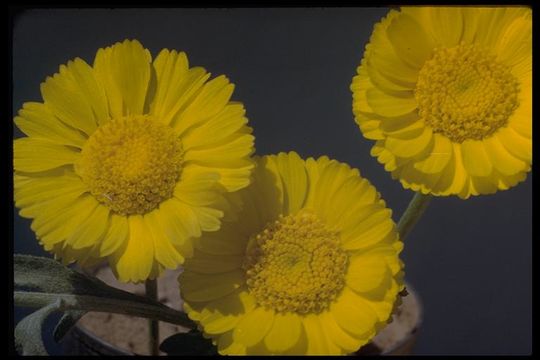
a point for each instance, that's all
(41, 281)
(28, 339)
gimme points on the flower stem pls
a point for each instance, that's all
(151, 287)
(412, 214)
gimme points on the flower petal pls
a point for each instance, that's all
(501, 159)
(37, 121)
(203, 287)
(407, 148)
(254, 326)
(516, 145)
(116, 236)
(352, 315)
(35, 155)
(438, 158)
(410, 41)
(475, 158)
(284, 334)
(124, 71)
(91, 231)
(387, 105)
(134, 261)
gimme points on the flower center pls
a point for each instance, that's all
(295, 265)
(131, 164)
(463, 93)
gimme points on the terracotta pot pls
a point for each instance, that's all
(81, 341)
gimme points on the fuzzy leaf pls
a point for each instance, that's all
(28, 340)
(41, 281)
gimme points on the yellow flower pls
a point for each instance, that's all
(310, 267)
(447, 95)
(128, 159)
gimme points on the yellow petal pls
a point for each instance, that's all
(204, 263)
(410, 41)
(366, 273)
(209, 101)
(230, 121)
(284, 334)
(231, 154)
(172, 75)
(222, 315)
(124, 71)
(253, 327)
(501, 159)
(438, 158)
(387, 105)
(50, 208)
(37, 121)
(202, 287)
(515, 44)
(92, 230)
(84, 76)
(35, 155)
(228, 241)
(165, 252)
(197, 188)
(368, 232)
(58, 219)
(407, 148)
(491, 24)
(134, 261)
(385, 84)
(447, 25)
(34, 190)
(338, 336)
(293, 174)
(381, 54)
(483, 185)
(460, 176)
(330, 180)
(69, 101)
(176, 84)
(179, 218)
(352, 315)
(475, 158)
(318, 344)
(516, 144)
(116, 236)
(227, 346)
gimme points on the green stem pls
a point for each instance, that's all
(103, 304)
(151, 287)
(412, 214)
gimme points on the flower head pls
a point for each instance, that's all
(127, 160)
(310, 267)
(446, 94)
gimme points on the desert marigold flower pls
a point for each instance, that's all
(128, 159)
(447, 95)
(310, 267)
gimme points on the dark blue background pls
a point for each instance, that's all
(470, 261)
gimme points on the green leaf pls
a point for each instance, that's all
(49, 276)
(66, 322)
(190, 343)
(41, 281)
(28, 340)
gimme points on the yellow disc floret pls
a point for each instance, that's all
(464, 93)
(295, 265)
(131, 164)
